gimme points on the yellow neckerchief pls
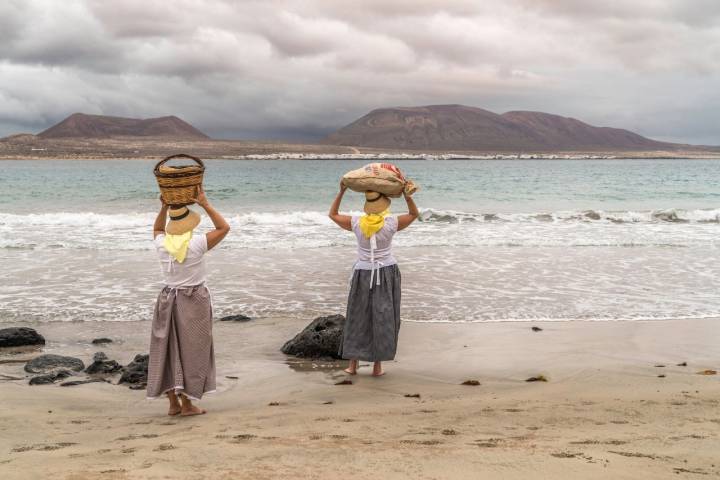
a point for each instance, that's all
(177, 245)
(370, 224)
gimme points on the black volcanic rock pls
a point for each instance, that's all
(50, 378)
(321, 338)
(135, 373)
(74, 383)
(462, 128)
(20, 336)
(236, 318)
(102, 365)
(101, 341)
(80, 125)
(50, 363)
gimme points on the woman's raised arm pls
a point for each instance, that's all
(413, 213)
(159, 227)
(343, 221)
(221, 226)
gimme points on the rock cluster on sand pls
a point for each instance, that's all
(20, 336)
(136, 372)
(55, 367)
(50, 363)
(102, 365)
(319, 339)
(50, 368)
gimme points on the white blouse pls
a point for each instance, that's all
(192, 271)
(375, 252)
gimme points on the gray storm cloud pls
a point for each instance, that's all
(292, 69)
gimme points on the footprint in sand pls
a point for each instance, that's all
(599, 442)
(421, 442)
(164, 447)
(639, 455)
(697, 471)
(136, 437)
(43, 447)
(487, 442)
(240, 438)
(566, 455)
(23, 448)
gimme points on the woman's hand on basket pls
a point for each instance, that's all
(343, 187)
(201, 199)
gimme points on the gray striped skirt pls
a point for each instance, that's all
(372, 322)
(182, 357)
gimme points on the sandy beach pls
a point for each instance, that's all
(605, 412)
(542, 304)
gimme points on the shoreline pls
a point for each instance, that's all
(604, 413)
(27, 147)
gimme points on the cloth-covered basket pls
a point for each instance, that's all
(179, 184)
(383, 178)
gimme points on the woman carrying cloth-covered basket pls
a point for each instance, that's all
(372, 322)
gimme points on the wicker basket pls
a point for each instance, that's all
(179, 184)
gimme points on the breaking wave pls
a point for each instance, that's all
(650, 216)
(313, 229)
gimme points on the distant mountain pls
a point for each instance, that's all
(457, 127)
(80, 125)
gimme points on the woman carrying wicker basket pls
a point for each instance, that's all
(372, 322)
(182, 359)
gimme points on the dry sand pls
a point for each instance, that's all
(605, 412)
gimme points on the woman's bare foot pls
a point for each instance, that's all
(352, 368)
(377, 370)
(175, 407)
(188, 409)
(192, 410)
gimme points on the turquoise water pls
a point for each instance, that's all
(492, 186)
(497, 240)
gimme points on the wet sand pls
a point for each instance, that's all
(604, 413)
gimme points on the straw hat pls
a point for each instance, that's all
(182, 220)
(375, 203)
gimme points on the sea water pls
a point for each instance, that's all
(497, 240)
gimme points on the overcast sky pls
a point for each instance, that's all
(299, 69)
